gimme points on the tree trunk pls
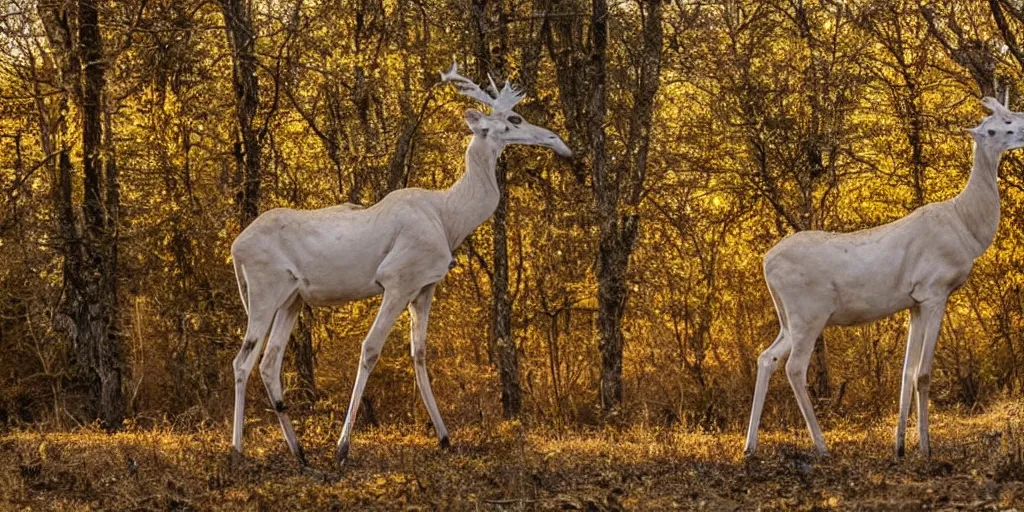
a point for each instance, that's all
(582, 90)
(624, 183)
(970, 52)
(241, 40)
(613, 258)
(914, 139)
(821, 387)
(88, 243)
(503, 348)
(302, 349)
(98, 312)
(815, 167)
(611, 287)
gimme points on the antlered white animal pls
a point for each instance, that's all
(400, 247)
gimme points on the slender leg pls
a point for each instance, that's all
(910, 362)
(419, 314)
(931, 318)
(270, 370)
(796, 368)
(259, 323)
(766, 365)
(390, 308)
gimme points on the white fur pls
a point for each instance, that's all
(818, 279)
(400, 247)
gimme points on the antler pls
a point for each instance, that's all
(508, 97)
(994, 105)
(502, 101)
(466, 86)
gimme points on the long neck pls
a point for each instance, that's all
(472, 199)
(978, 203)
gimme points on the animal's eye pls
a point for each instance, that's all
(991, 133)
(515, 119)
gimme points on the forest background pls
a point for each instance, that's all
(623, 286)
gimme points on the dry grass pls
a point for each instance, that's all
(977, 464)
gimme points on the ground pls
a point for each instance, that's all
(976, 465)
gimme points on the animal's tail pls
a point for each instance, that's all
(243, 288)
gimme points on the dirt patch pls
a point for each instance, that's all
(976, 465)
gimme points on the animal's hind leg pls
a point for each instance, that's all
(270, 370)
(766, 365)
(259, 323)
(803, 338)
(419, 313)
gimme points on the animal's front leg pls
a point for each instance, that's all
(931, 318)
(910, 362)
(390, 308)
(419, 313)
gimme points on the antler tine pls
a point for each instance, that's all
(467, 87)
(494, 88)
(508, 98)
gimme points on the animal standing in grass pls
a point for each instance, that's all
(400, 247)
(818, 279)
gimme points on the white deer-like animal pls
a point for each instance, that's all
(818, 278)
(400, 247)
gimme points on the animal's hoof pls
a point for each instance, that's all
(325, 476)
(341, 455)
(301, 455)
(445, 444)
(821, 451)
(750, 449)
(900, 451)
(236, 458)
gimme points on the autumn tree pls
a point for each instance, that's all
(88, 241)
(242, 35)
(490, 45)
(618, 184)
(902, 67)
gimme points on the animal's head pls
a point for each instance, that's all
(1001, 131)
(502, 126)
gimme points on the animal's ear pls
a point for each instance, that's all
(474, 118)
(975, 132)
